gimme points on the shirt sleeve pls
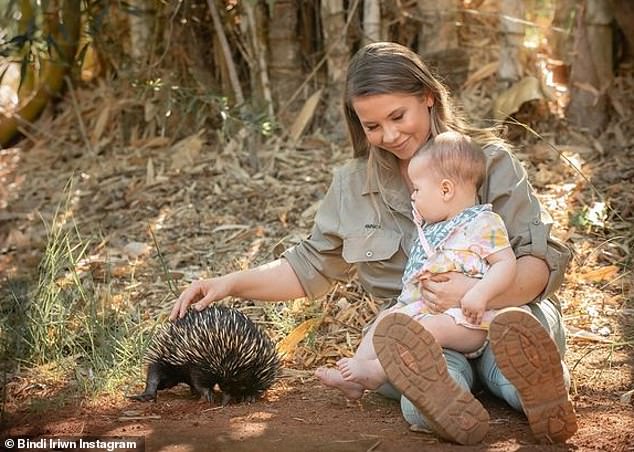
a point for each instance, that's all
(317, 260)
(507, 188)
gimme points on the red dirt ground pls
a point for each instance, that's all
(300, 415)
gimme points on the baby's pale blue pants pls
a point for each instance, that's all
(464, 371)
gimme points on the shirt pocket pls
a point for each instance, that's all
(377, 246)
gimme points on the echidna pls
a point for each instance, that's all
(218, 345)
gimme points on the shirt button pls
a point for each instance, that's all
(369, 253)
(535, 221)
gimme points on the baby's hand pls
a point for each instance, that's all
(473, 306)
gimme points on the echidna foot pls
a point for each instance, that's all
(145, 397)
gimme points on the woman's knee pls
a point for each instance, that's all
(549, 316)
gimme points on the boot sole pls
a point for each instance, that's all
(529, 359)
(414, 363)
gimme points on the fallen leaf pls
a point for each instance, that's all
(18, 239)
(626, 397)
(185, 152)
(601, 274)
(484, 72)
(100, 124)
(149, 172)
(305, 115)
(289, 343)
(578, 333)
(135, 250)
(510, 101)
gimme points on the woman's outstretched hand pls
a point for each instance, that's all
(445, 290)
(200, 293)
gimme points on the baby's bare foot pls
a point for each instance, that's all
(366, 372)
(332, 377)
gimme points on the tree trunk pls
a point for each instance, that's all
(333, 25)
(559, 39)
(512, 33)
(260, 55)
(371, 21)
(438, 41)
(62, 21)
(285, 63)
(140, 31)
(591, 71)
(438, 31)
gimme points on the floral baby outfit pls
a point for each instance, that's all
(460, 244)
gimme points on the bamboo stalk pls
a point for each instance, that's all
(512, 32)
(63, 22)
(371, 21)
(226, 51)
(260, 52)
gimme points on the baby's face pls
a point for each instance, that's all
(428, 191)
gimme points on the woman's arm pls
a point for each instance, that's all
(447, 289)
(275, 281)
(509, 191)
(530, 280)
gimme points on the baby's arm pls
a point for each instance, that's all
(497, 279)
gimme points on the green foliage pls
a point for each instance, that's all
(590, 216)
(66, 320)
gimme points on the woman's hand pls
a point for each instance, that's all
(445, 290)
(201, 293)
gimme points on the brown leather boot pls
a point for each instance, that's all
(529, 359)
(414, 363)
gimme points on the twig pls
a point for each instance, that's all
(139, 418)
(166, 272)
(170, 32)
(231, 67)
(82, 128)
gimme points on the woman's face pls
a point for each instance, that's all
(397, 123)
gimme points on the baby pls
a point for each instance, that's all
(455, 234)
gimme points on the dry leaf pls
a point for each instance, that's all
(100, 124)
(289, 343)
(601, 274)
(305, 115)
(185, 152)
(18, 239)
(578, 333)
(587, 87)
(154, 142)
(484, 72)
(149, 172)
(135, 250)
(510, 101)
(627, 398)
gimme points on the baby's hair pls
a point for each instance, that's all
(455, 156)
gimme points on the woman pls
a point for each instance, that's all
(393, 105)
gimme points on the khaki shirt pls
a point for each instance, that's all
(357, 232)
